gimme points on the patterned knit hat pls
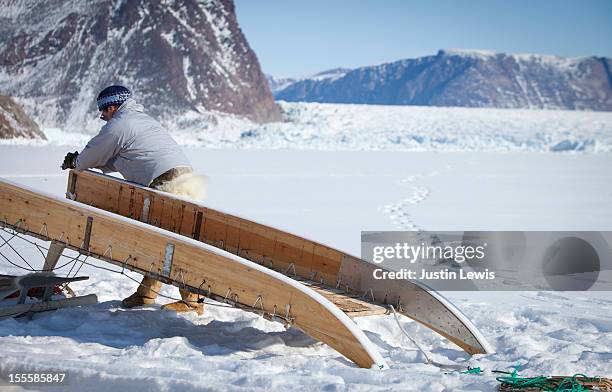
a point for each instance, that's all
(112, 95)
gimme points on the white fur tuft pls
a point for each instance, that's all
(191, 185)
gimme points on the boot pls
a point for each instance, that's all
(145, 293)
(188, 304)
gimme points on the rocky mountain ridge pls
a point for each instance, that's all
(468, 79)
(181, 58)
(15, 123)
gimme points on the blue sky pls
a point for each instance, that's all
(293, 38)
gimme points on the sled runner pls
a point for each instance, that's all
(343, 279)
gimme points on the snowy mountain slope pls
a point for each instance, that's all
(177, 56)
(279, 84)
(469, 79)
(14, 123)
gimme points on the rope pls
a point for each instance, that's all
(75, 260)
(122, 272)
(18, 254)
(6, 241)
(39, 247)
(81, 266)
(516, 382)
(200, 300)
(429, 361)
(16, 265)
(567, 384)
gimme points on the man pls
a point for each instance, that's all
(137, 146)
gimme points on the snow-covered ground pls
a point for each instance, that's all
(316, 126)
(331, 196)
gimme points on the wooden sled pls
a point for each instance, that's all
(185, 263)
(24, 286)
(343, 279)
(301, 295)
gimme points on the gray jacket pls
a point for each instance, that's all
(133, 144)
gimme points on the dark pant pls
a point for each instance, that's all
(169, 176)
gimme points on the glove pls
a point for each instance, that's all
(70, 160)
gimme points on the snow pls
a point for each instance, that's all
(226, 62)
(331, 75)
(316, 126)
(278, 84)
(500, 172)
(557, 63)
(477, 53)
(191, 86)
(169, 37)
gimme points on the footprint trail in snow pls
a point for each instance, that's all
(399, 211)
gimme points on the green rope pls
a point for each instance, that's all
(475, 370)
(571, 384)
(541, 383)
(568, 384)
(517, 382)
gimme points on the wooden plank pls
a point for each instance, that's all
(139, 247)
(353, 307)
(197, 226)
(287, 252)
(232, 234)
(156, 210)
(89, 192)
(177, 216)
(257, 242)
(215, 228)
(53, 254)
(43, 306)
(188, 222)
(305, 261)
(125, 197)
(110, 194)
(326, 263)
(258, 245)
(136, 206)
(167, 213)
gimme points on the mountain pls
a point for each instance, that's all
(15, 123)
(179, 58)
(468, 79)
(278, 84)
